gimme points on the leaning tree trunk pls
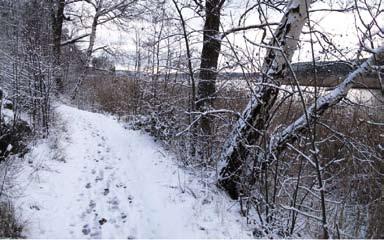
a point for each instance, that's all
(251, 125)
(288, 135)
(279, 140)
(208, 67)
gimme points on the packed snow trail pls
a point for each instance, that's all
(97, 179)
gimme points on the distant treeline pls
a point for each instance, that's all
(329, 74)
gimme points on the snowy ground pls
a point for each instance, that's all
(96, 179)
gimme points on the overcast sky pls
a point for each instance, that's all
(340, 26)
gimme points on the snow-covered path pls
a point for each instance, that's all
(97, 179)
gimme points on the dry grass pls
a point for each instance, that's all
(345, 133)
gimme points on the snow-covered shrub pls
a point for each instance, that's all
(13, 131)
(12, 143)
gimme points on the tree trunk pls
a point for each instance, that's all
(90, 49)
(92, 39)
(250, 127)
(57, 16)
(208, 67)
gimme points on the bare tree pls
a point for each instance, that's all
(104, 11)
(206, 87)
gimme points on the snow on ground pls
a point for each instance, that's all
(96, 179)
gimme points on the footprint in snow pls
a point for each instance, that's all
(34, 207)
(120, 185)
(92, 204)
(86, 230)
(106, 191)
(102, 221)
(114, 202)
(95, 235)
(100, 177)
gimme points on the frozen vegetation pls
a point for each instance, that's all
(191, 119)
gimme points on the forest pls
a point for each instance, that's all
(192, 119)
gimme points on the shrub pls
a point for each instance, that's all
(9, 226)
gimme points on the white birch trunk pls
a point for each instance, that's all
(88, 55)
(252, 121)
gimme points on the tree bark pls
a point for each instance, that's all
(90, 49)
(57, 17)
(209, 59)
(250, 127)
(57, 26)
(92, 39)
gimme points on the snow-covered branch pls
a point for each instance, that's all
(280, 139)
(283, 45)
(245, 28)
(74, 40)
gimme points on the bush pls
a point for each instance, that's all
(9, 226)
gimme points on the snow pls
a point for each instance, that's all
(9, 148)
(95, 179)
(7, 115)
(324, 102)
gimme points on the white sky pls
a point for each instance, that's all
(340, 26)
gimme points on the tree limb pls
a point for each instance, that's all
(290, 133)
